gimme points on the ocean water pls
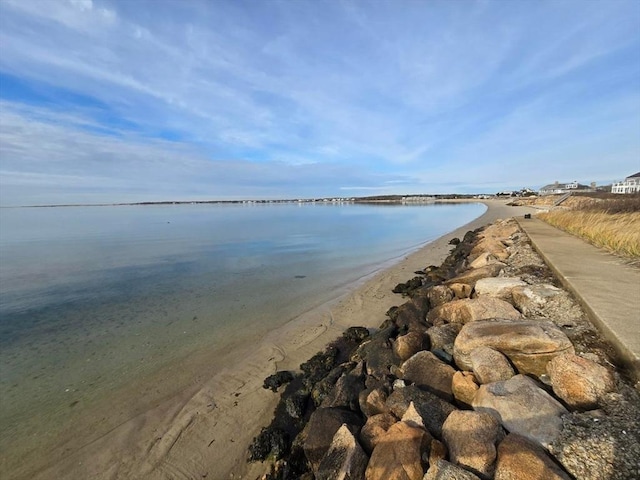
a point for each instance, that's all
(94, 298)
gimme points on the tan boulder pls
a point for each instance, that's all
(484, 259)
(372, 401)
(405, 346)
(529, 345)
(471, 438)
(499, 287)
(531, 299)
(580, 382)
(438, 451)
(521, 459)
(473, 309)
(438, 295)
(461, 290)
(470, 277)
(522, 407)
(398, 454)
(427, 371)
(464, 387)
(490, 365)
(502, 229)
(374, 429)
(491, 245)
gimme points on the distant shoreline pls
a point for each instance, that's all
(381, 199)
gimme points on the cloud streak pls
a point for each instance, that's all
(158, 98)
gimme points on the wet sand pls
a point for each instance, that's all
(204, 431)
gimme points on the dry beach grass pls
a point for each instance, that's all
(612, 224)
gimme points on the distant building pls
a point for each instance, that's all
(559, 188)
(628, 185)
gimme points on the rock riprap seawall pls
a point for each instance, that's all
(488, 370)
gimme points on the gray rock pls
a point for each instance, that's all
(471, 438)
(347, 390)
(499, 287)
(433, 410)
(528, 344)
(531, 299)
(443, 336)
(425, 370)
(320, 430)
(602, 444)
(345, 458)
(443, 470)
(489, 365)
(377, 354)
(522, 407)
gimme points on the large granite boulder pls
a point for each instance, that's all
(521, 459)
(427, 371)
(322, 427)
(374, 429)
(580, 382)
(473, 309)
(499, 287)
(433, 410)
(345, 458)
(443, 470)
(471, 438)
(529, 345)
(398, 454)
(470, 277)
(522, 407)
(531, 299)
(489, 365)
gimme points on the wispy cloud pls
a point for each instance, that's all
(157, 98)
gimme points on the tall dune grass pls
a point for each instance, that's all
(611, 224)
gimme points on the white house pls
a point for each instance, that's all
(628, 185)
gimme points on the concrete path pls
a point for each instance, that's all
(607, 288)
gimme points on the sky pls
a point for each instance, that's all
(150, 100)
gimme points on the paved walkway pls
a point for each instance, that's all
(607, 288)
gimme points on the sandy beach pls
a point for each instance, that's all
(204, 431)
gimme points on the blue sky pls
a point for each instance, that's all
(135, 100)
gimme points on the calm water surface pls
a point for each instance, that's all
(94, 297)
